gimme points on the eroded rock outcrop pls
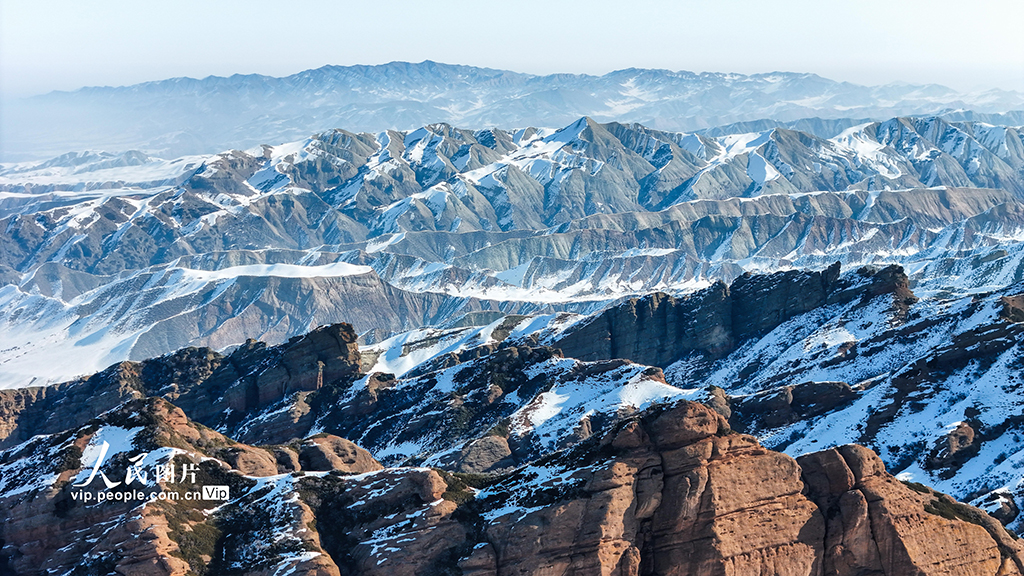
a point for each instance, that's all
(656, 329)
(659, 329)
(670, 491)
(327, 452)
(789, 404)
(678, 493)
(209, 386)
(150, 526)
(878, 525)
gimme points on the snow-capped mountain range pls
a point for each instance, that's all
(115, 256)
(474, 350)
(183, 116)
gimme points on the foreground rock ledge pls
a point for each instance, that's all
(684, 496)
(670, 492)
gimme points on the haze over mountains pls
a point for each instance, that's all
(181, 116)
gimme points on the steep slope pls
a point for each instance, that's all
(671, 490)
(127, 257)
(931, 384)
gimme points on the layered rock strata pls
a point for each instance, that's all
(671, 491)
(659, 329)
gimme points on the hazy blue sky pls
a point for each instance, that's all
(65, 44)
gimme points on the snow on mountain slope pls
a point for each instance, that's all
(89, 169)
(931, 384)
(48, 340)
(403, 352)
(567, 406)
(253, 109)
(541, 402)
(915, 376)
(452, 221)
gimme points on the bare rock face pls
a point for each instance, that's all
(869, 282)
(892, 280)
(681, 494)
(656, 329)
(394, 522)
(789, 404)
(324, 355)
(953, 448)
(487, 454)
(255, 377)
(325, 453)
(1012, 308)
(762, 302)
(48, 529)
(878, 525)
(659, 329)
(249, 461)
(27, 412)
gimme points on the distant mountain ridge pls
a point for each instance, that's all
(183, 116)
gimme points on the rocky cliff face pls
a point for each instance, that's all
(878, 525)
(670, 491)
(678, 493)
(659, 329)
(208, 385)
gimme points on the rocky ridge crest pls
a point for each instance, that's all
(670, 491)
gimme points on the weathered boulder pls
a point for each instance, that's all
(487, 454)
(327, 452)
(878, 525)
(953, 448)
(789, 404)
(248, 460)
(1012, 308)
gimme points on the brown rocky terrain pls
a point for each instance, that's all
(671, 491)
(207, 385)
(529, 461)
(679, 493)
(47, 529)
